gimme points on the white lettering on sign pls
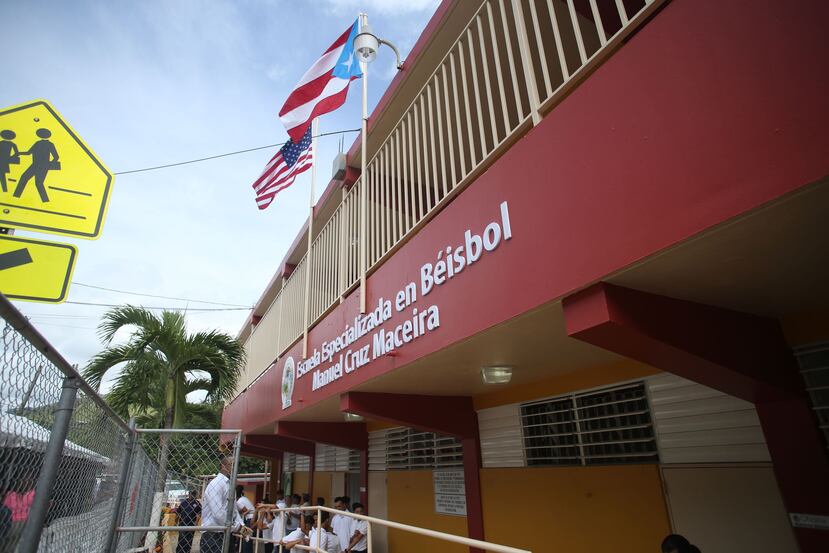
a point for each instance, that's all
(817, 522)
(450, 492)
(460, 257)
(450, 261)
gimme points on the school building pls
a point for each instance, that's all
(578, 299)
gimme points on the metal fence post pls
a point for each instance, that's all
(30, 540)
(231, 492)
(111, 542)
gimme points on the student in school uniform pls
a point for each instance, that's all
(317, 539)
(341, 524)
(359, 532)
(297, 537)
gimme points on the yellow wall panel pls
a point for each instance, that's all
(299, 485)
(322, 488)
(411, 501)
(575, 509)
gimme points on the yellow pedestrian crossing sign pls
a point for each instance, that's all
(51, 181)
(35, 270)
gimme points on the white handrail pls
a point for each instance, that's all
(486, 546)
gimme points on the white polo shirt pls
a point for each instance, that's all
(362, 527)
(334, 543)
(341, 525)
(323, 537)
(297, 534)
(245, 503)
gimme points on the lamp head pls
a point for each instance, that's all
(366, 44)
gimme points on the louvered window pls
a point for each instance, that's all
(814, 366)
(603, 427)
(408, 449)
(295, 463)
(353, 460)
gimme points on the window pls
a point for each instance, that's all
(814, 366)
(408, 449)
(603, 427)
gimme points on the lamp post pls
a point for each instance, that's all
(366, 44)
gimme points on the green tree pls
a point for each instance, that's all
(160, 364)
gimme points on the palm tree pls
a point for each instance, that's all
(160, 365)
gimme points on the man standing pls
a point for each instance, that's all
(214, 508)
(341, 524)
(188, 512)
(359, 532)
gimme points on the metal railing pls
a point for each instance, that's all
(440, 536)
(511, 64)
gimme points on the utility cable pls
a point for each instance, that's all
(168, 165)
(76, 283)
(163, 308)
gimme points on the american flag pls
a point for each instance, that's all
(323, 88)
(292, 159)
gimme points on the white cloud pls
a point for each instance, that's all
(389, 8)
(158, 82)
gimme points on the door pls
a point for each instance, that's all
(728, 509)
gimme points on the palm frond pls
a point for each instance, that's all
(106, 360)
(127, 315)
(139, 387)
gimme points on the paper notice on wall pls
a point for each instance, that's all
(817, 522)
(450, 492)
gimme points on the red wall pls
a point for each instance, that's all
(711, 110)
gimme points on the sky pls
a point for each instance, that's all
(152, 82)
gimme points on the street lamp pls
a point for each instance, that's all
(366, 44)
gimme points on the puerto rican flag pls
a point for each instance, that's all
(324, 87)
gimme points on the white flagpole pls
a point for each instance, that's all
(363, 178)
(311, 201)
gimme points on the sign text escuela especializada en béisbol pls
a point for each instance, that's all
(450, 261)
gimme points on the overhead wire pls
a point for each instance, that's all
(93, 304)
(198, 160)
(76, 283)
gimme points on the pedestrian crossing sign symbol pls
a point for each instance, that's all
(50, 180)
(35, 270)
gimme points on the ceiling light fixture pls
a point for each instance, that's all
(353, 417)
(496, 375)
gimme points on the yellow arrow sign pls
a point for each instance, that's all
(35, 270)
(51, 181)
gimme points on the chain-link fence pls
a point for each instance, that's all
(61, 447)
(75, 477)
(181, 496)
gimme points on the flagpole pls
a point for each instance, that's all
(363, 178)
(314, 133)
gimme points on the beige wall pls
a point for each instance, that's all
(729, 509)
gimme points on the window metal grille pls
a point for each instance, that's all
(603, 427)
(408, 449)
(814, 366)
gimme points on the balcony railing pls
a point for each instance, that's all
(512, 63)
